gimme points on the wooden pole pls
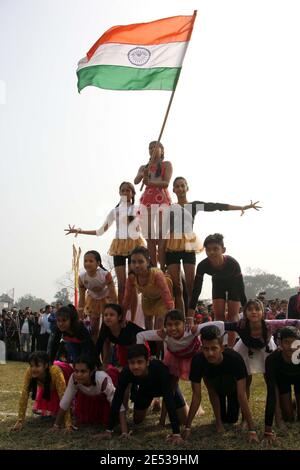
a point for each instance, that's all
(167, 114)
(75, 268)
(162, 127)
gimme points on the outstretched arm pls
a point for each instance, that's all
(77, 231)
(252, 205)
(148, 335)
(104, 227)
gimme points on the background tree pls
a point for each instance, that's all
(257, 281)
(63, 296)
(30, 301)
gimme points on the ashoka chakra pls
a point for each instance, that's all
(139, 56)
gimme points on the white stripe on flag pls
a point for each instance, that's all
(128, 55)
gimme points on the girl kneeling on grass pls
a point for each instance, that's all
(93, 392)
(180, 345)
(52, 381)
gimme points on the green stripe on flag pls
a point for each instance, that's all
(112, 77)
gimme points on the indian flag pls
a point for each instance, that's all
(143, 56)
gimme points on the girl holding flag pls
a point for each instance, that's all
(156, 177)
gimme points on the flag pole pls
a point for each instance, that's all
(167, 113)
(75, 269)
(162, 128)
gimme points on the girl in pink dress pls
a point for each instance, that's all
(156, 176)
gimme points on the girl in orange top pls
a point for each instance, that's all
(153, 284)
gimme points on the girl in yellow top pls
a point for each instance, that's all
(153, 284)
(96, 289)
(51, 379)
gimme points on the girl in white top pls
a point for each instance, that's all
(93, 392)
(181, 344)
(96, 289)
(128, 234)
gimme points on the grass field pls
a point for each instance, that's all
(148, 436)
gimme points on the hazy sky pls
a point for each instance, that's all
(233, 131)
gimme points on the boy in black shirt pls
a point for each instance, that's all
(150, 379)
(227, 282)
(283, 371)
(224, 374)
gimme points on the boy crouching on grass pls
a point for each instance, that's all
(153, 380)
(224, 374)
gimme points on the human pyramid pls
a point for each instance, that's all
(99, 360)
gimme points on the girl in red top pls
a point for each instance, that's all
(156, 177)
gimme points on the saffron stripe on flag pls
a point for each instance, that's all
(173, 29)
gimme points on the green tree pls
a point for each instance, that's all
(274, 286)
(62, 296)
(30, 301)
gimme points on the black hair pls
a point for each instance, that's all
(132, 190)
(97, 257)
(174, 315)
(289, 332)
(265, 332)
(90, 362)
(159, 164)
(117, 308)
(130, 218)
(138, 350)
(211, 332)
(40, 357)
(141, 250)
(70, 312)
(179, 178)
(214, 238)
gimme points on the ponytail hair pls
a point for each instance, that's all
(132, 188)
(97, 258)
